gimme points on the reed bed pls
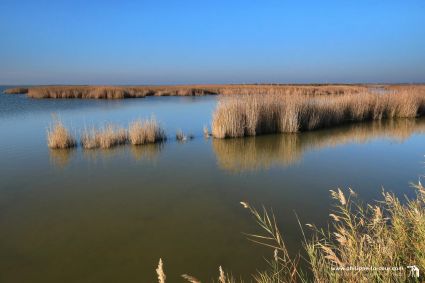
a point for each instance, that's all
(120, 92)
(114, 92)
(388, 235)
(145, 131)
(16, 90)
(250, 115)
(59, 137)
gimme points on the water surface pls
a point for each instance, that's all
(108, 215)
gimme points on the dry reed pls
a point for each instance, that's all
(16, 90)
(119, 92)
(106, 137)
(238, 116)
(58, 137)
(146, 131)
(180, 136)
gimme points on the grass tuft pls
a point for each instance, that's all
(58, 137)
(145, 131)
(106, 137)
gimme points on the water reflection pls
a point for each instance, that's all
(100, 155)
(149, 152)
(60, 158)
(258, 153)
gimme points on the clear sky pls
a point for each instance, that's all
(202, 41)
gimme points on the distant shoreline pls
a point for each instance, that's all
(120, 92)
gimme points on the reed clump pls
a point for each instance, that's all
(238, 116)
(59, 137)
(106, 137)
(145, 131)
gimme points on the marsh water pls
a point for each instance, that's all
(109, 215)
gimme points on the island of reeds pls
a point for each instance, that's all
(251, 115)
(120, 92)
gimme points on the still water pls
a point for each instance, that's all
(109, 215)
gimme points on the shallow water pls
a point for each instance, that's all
(109, 215)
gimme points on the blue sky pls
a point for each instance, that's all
(221, 41)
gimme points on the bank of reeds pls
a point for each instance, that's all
(145, 131)
(115, 92)
(364, 243)
(16, 90)
(250, 115)
(119, 92)
(59, 137)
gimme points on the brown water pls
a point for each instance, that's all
(109, 215)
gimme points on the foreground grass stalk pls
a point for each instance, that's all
(364, 243)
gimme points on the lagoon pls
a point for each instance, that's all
(109, 215)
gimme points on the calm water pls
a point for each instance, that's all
(109, 215)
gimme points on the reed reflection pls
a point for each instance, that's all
(263, 152)
(60, 158)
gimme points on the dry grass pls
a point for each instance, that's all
(206, 132)
(384, 234)
(145, 131)
(119, 92)
(139, 133)
(16, 90)
(58, 137)
(106, 137)
(115, 92)
(238, 116)
(180, 136)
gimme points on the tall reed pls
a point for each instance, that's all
(238, 116)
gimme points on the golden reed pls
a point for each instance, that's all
(250, 115)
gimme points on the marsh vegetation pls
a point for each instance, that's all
(120, 92)
(250, 115)
(388, 234)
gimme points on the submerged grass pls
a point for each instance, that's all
(383, 235)
(59, 137)
(238, 116)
